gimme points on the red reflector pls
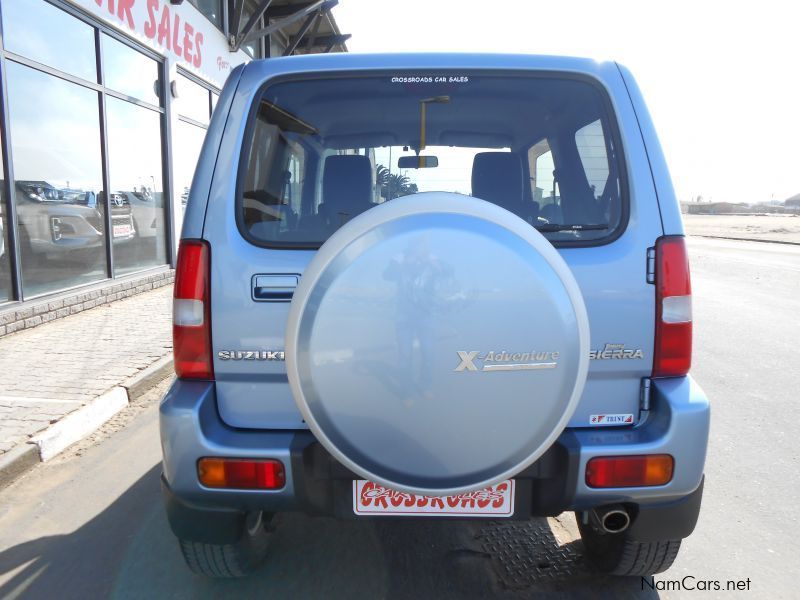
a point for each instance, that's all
(673, 333)
(629, 471)
(241, 473)
(191, 331)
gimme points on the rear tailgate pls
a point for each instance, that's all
(248, 335)
(248, 331)
(253, 391)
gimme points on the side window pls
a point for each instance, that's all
(591, 144)
(272, 185)
(294, 175)
(544, 187)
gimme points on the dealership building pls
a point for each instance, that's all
(103, 111)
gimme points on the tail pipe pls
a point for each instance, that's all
(613, 518)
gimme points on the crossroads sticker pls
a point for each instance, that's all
(431, 79)
(611, 419)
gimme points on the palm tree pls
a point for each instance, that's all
(393, 185)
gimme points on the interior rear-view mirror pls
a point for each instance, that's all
(418, 162)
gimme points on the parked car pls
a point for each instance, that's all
(56, 227)
(147, 212)
(441, 354)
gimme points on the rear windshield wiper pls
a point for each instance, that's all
(551, 227)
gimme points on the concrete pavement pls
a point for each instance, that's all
(90, 524)
(53, 370)
(746, 304)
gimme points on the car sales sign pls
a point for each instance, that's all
(179, 31)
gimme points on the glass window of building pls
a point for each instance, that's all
(277, 44)
(192, 101)
(187, 142)
(130, 72)
(136, 199)
(212, 9)
(5, 262)
(253, 48)
(46, 34)
(55, 142)
(194, 106)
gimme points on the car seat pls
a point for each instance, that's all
(497, 178)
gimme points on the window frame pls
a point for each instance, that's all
(223, 9)
(608, 113)
(98, 86)
(212, 90)
(262, 43)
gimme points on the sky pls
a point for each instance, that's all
(721, 78)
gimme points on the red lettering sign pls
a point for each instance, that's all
(164, 37)
(373, 494)
(124, 10)
(198, 42)
(175, 36)
(150, 26)
(186, 42)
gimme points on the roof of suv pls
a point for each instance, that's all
(425, 60)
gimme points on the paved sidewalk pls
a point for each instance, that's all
(54, 369)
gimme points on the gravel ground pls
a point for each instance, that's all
(774, 228)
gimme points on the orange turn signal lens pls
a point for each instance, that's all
(241, 473)
(629, 471)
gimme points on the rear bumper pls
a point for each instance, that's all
(317, 484)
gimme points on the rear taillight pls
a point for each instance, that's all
(191, 311)
(673, 340)
(629, 471)
(241, 473)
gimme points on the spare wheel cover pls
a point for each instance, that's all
(437, 344)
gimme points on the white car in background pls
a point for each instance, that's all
(53, 226)
(147, 211)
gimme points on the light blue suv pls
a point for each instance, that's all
(433, 286)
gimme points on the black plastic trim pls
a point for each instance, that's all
(208, 525)
(668, 521)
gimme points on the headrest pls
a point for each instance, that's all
(497, 178)
(347, 184)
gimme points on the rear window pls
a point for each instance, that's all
(321, 151)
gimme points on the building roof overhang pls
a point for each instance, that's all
(308, 25)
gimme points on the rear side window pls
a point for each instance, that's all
(321, 151)
(590, 141)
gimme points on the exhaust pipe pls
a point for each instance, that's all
(613, 518)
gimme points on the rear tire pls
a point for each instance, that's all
(230, 560)
(617, 554)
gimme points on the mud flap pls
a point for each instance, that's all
(202, 524)
(669, 521)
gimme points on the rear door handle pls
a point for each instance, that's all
(274, 288)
